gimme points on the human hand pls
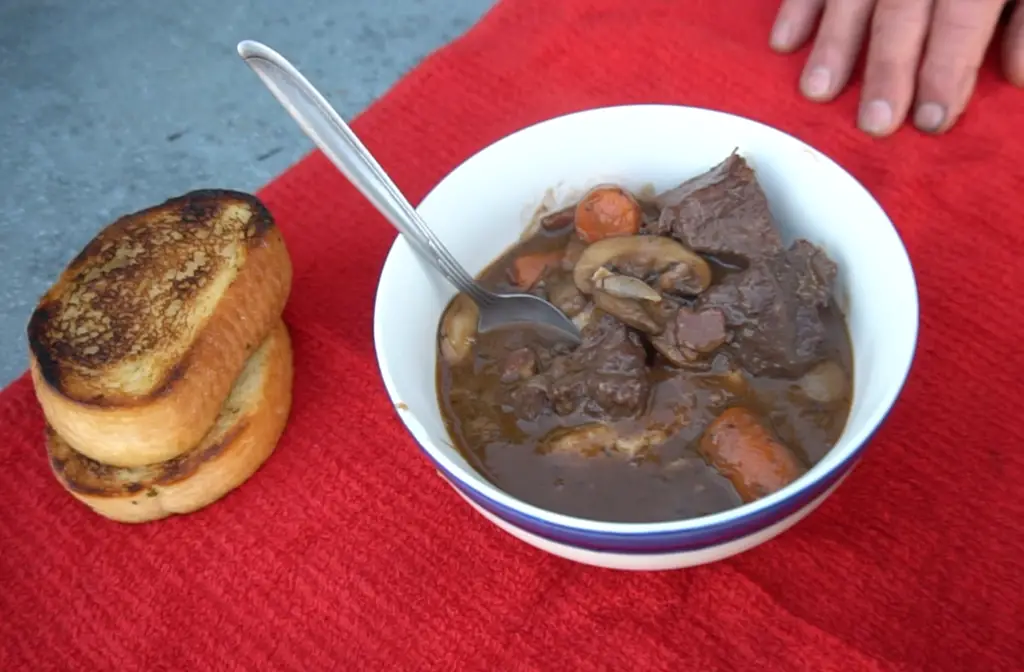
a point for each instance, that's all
(923, 54)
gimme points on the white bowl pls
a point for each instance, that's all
(482, 207)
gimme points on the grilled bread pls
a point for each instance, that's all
(242, 438)
(136, 346)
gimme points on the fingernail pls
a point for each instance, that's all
(929, 117)
(875, 117)
(818, 82)
(782, 34)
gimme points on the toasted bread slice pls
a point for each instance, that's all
(243, 437)
(136, 346)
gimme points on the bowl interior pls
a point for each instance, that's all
(483, 206)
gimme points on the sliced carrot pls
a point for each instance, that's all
(527, 268)
(747, 453)
(605, 212)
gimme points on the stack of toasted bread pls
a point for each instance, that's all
(160, 359)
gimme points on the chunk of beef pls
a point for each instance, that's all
(519, 364)
(630, 311)
(529, 399)
(691, 336)
(700, 332)
(605, 377)
(722, 212)
(774, 310)
(816, 272)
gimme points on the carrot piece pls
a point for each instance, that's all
(746, 452)
(527, 268)
(605, 212)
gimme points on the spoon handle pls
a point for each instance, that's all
(339, 143)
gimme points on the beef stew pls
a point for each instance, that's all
(714, 367)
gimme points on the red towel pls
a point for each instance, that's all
(347, 552)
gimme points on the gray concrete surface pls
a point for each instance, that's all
(107, 106)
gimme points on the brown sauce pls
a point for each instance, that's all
(618, 430)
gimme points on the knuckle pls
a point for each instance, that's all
(843, 26)
(799, 8)
(895, 17)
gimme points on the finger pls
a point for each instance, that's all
(960, 33)
(795, 23)
(1013, 47)
(898, 31)
(836, 48)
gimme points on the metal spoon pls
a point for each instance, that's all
(325, 127)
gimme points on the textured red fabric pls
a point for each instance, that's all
(346, 551)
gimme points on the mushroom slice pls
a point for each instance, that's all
(459, 329)
(593, 438)
(624, 286)
(583, 318)
(628, 311)
(638, 444)
(665, 343)
(597, 438)
(652, 253)
(682, 279)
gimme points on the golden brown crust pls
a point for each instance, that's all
(243, 437)
(132, 293)
(148, 387)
